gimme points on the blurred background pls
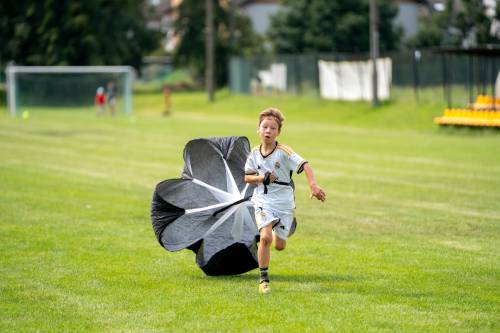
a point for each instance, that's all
(315, 48)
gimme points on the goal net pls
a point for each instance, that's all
(51, 87)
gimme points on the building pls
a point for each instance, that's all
(260, 12)
(409, 12)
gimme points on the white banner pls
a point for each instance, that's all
(274, 78)
(352, 80)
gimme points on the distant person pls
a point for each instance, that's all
(111, 97)
(168, 102)
(100, 101)
(270, 166)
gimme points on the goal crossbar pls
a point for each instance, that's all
(69, 69)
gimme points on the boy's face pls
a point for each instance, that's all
(268, 130)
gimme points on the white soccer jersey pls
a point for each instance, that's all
(283, 161)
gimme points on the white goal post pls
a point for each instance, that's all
(14, 73)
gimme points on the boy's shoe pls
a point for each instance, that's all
(264, 287)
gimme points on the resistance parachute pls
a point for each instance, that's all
(208, 210)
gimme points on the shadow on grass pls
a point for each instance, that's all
(330, 284)
(321, 278)
(472, 131)
(299, 283)
(298, 278)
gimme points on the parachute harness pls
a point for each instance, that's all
(267, 181)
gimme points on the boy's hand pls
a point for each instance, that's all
(269, 178)
(272, 177)
(317, 192)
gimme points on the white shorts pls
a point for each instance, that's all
(282, 222)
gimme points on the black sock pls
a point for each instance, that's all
(264, 277)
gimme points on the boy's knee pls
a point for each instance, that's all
(266, 240)
(279, 244)
(280, 247)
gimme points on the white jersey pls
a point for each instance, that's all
(283, 161)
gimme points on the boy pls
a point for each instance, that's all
(270, 166)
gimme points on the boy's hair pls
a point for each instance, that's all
(272, 112)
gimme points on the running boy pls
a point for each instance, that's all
(271, 166)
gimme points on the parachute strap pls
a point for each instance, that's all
(231, 205)
(267, 182)
(276, 182)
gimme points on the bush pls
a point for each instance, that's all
(178, 80)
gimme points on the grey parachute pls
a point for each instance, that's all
(208, 209)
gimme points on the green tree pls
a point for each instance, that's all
(432, 30)
(331, 25)
(60, 32)
(459, 25)
(472, 22)
(190, 27)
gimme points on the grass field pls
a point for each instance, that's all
(408, 239)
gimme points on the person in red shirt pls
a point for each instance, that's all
(100, 101)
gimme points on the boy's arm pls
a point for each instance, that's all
(256, 179)
(316, 191)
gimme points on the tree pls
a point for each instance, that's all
(331, 25)
(474, 25)
(91, 32)
(190, 27)
(468, 25)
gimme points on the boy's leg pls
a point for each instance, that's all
(264, 251)
(265, 219)
(264, 256)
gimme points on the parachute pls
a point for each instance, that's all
(208, 209)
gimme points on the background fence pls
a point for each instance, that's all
(434, 75)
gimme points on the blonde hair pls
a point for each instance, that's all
(272, 112)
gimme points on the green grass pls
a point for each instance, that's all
(408, 239)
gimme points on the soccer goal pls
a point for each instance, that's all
(63, 87)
